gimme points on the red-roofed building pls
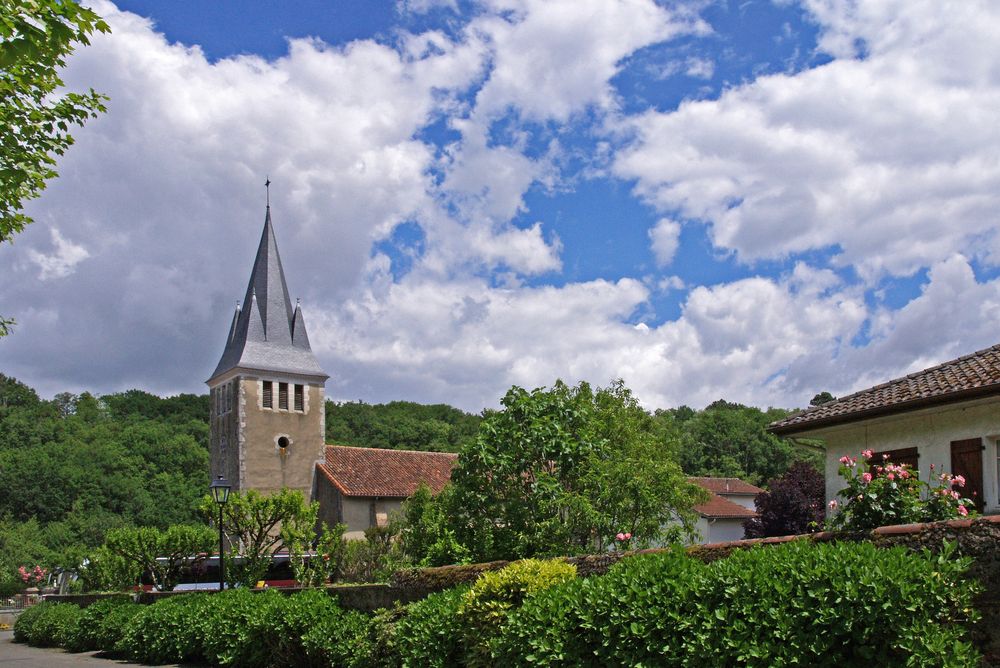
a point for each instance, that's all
(731, 503)
(947, 415)
(360, 487)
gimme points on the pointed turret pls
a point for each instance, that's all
(267, 334)
(299, 337)
(235, 323)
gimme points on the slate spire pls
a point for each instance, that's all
(261, 336)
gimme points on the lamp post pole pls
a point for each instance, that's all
(222, 561)
(220, 493)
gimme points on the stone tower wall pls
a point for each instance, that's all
(263, 465)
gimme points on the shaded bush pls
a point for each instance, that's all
(169, 631)
(47, 624)
(339, 638)
(101, 624)
(431, 634)
(793, 504)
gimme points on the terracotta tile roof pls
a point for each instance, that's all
(385, 473)
(967, 377)
(732, 486)
(718, 508)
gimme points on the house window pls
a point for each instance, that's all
(299, 398)
(283, 396)
(267, 400)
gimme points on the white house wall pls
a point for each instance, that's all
(744, 500)
(720, 530)
(930, 430)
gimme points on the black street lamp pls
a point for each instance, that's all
(220, 493)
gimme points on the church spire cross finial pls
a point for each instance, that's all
(267, 188)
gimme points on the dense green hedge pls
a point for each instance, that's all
(844, 605)
(47, 624)
(847, 604)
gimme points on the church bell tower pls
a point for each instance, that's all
(268, 415)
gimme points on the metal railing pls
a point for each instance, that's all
(18, 602)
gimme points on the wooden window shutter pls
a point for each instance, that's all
(299, 398)
(283, 396)
(967, 461)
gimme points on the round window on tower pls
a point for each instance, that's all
(283, 443)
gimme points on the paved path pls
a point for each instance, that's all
(15, 655)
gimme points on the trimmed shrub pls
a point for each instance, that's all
(484, 608)
(47, 624)
(232, 620)
(168, 631)
(840, 605)
(847, 604)
(101, 624)
(339, 639)
(636, 614)
(430, 635)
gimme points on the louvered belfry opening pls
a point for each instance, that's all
(267, 398)
(300, 402)
(283, 396)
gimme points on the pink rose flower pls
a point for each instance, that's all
(845, 460)
(866, 477)
(962, 511)
(628, 536)
(959, 480)
(867, 454)
(620, 536)
(891, 476)
(833, 504)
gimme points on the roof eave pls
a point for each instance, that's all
(321, 377)
(882, 411)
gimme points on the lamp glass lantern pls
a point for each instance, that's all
(220, 490)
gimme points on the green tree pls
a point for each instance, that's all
(400, 425)
(822, 398)
(427, 532)
(731, 440)
(165, 555)
(255, 525)
(37, 35)
(535, 482)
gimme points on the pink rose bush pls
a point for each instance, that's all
(34, 577)
(880, 493)
(623, 538)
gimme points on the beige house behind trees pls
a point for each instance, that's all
(361, 487)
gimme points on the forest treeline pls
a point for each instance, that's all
(76, 466)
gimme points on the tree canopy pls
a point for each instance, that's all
(78, 466)
(400, 425)
(731, 440)
(562, 470)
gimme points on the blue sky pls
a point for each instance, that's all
(752, 200)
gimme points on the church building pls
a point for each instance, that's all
(268, 423)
